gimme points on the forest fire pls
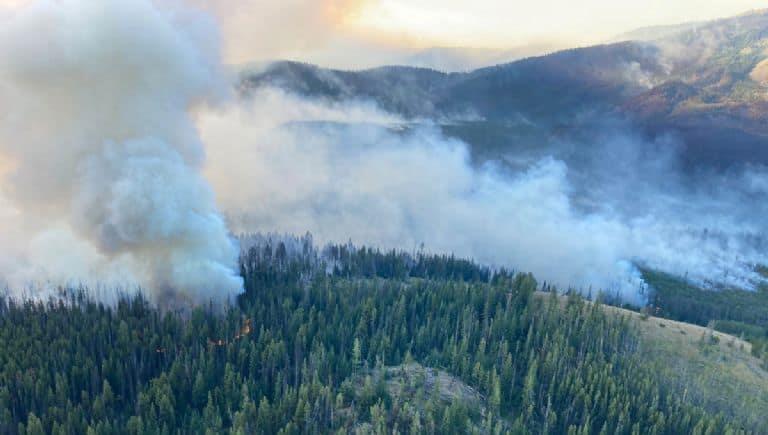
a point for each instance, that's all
(245, 330)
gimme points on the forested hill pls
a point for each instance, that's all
(546, 88)
(706, 83)
(359, 346)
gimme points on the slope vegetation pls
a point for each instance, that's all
(711, 368)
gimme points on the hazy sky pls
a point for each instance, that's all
(501, 23)
(351, 32)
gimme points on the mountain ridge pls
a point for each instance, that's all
(707, 85)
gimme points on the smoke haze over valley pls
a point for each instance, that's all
(606, 204)
(584, 187)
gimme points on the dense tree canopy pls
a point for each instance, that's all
(302, 350)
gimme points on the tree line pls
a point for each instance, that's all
(302, 350)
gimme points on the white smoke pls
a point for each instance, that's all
(96, 125)
(347, 171)
(101, 167)
(396, 189)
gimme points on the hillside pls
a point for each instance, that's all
(713, 369)
(704, 83)
(654, 33)
(554, 243)
(355, 340)
(710, 368)
(542, 87)
(463, 59)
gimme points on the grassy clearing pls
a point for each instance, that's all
(708, 367)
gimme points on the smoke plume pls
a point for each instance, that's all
(104, 156)
(584, 215)
(106, 180)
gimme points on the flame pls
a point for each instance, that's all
(245, 330)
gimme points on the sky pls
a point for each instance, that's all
(359, 33)
(350, 32)
(499, 23)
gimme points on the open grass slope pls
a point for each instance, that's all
(713, 369)
(709, 368)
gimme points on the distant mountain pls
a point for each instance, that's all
(706, 83)
(546, 86)
(723, 64)
(464, 59)
(406, 91)
(716, 94)
(654, 33)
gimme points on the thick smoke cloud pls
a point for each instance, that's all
(101, 173)
(578, 214)
(104, 156)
